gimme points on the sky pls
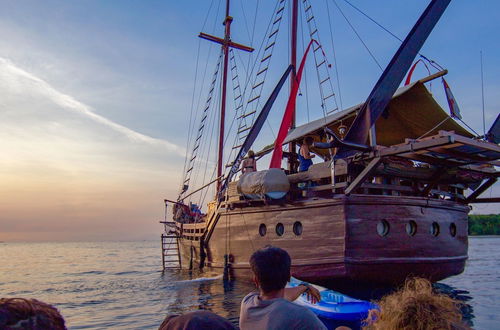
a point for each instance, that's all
(96, 96)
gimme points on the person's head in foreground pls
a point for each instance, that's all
(416, 307)
(32, 314)
(271, 268)
(203, 320)
(272, 307)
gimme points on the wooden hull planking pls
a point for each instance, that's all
(370, 239)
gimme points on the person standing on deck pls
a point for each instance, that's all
(305, 157)
(249, 164)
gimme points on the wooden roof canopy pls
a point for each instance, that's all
(411, 113)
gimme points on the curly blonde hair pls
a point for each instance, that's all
(416, 307)
(21, 313)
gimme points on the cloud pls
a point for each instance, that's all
(12, 74)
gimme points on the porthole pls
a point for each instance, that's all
(411, 228)
(280, 229)
(297, 228)
(435, 229)
(383, 228)
(453, 230)
(262, 230)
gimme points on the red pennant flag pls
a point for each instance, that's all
(289, 112)
(452, 103)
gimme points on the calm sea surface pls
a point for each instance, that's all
(119, 284)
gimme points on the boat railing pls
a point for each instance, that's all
(442, 166)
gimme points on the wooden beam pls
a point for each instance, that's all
(363, 175)
(471, 198)
(434, 181)
(434, 76)
(487, 200)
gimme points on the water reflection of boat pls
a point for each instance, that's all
(388, 199)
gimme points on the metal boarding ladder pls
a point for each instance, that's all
(170, 253)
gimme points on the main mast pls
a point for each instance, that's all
(293, 62)
(226, 44)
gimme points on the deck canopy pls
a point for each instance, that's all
(411, 113)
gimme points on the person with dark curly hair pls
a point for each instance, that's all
(30, 314)
(272, 307)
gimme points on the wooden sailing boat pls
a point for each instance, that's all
(372, 212)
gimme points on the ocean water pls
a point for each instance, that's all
(107, 285)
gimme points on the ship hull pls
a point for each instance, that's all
(379, 240)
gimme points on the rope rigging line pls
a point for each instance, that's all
(252, 105)
(214, 121)
(191, 121)
(305, 69)
(432, 62)
(359, 37)
(328, 98)
(201, 128)
(334, 56)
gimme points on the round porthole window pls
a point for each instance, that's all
(383, 228)
(435, 229)
(280, 229)
(453, 230)
(297, 228)
(411, 228)
(262, 230)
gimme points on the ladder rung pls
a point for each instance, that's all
(237, 97)
(310, 18)
(244, 129)
(315, 30)
(323, 62)
(243, 137)
(238, 146)
(272, 34)
(187, 180)
(239, 107)
(266, 58)
(193, 158)
(189, 170)
(259, 84)
(246, 114)
(234, 77)
(333, 110)
(277, 20)
(329, 96)
(262, 71)
(269, 46)
(255, 98)
(319, 47)
(195, 148)
(237, 86)
(308, 8)
(324, 80)
(234, 67)
(280, 10)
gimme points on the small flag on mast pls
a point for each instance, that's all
(452, 103)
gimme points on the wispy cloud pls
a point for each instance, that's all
(12, 73)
